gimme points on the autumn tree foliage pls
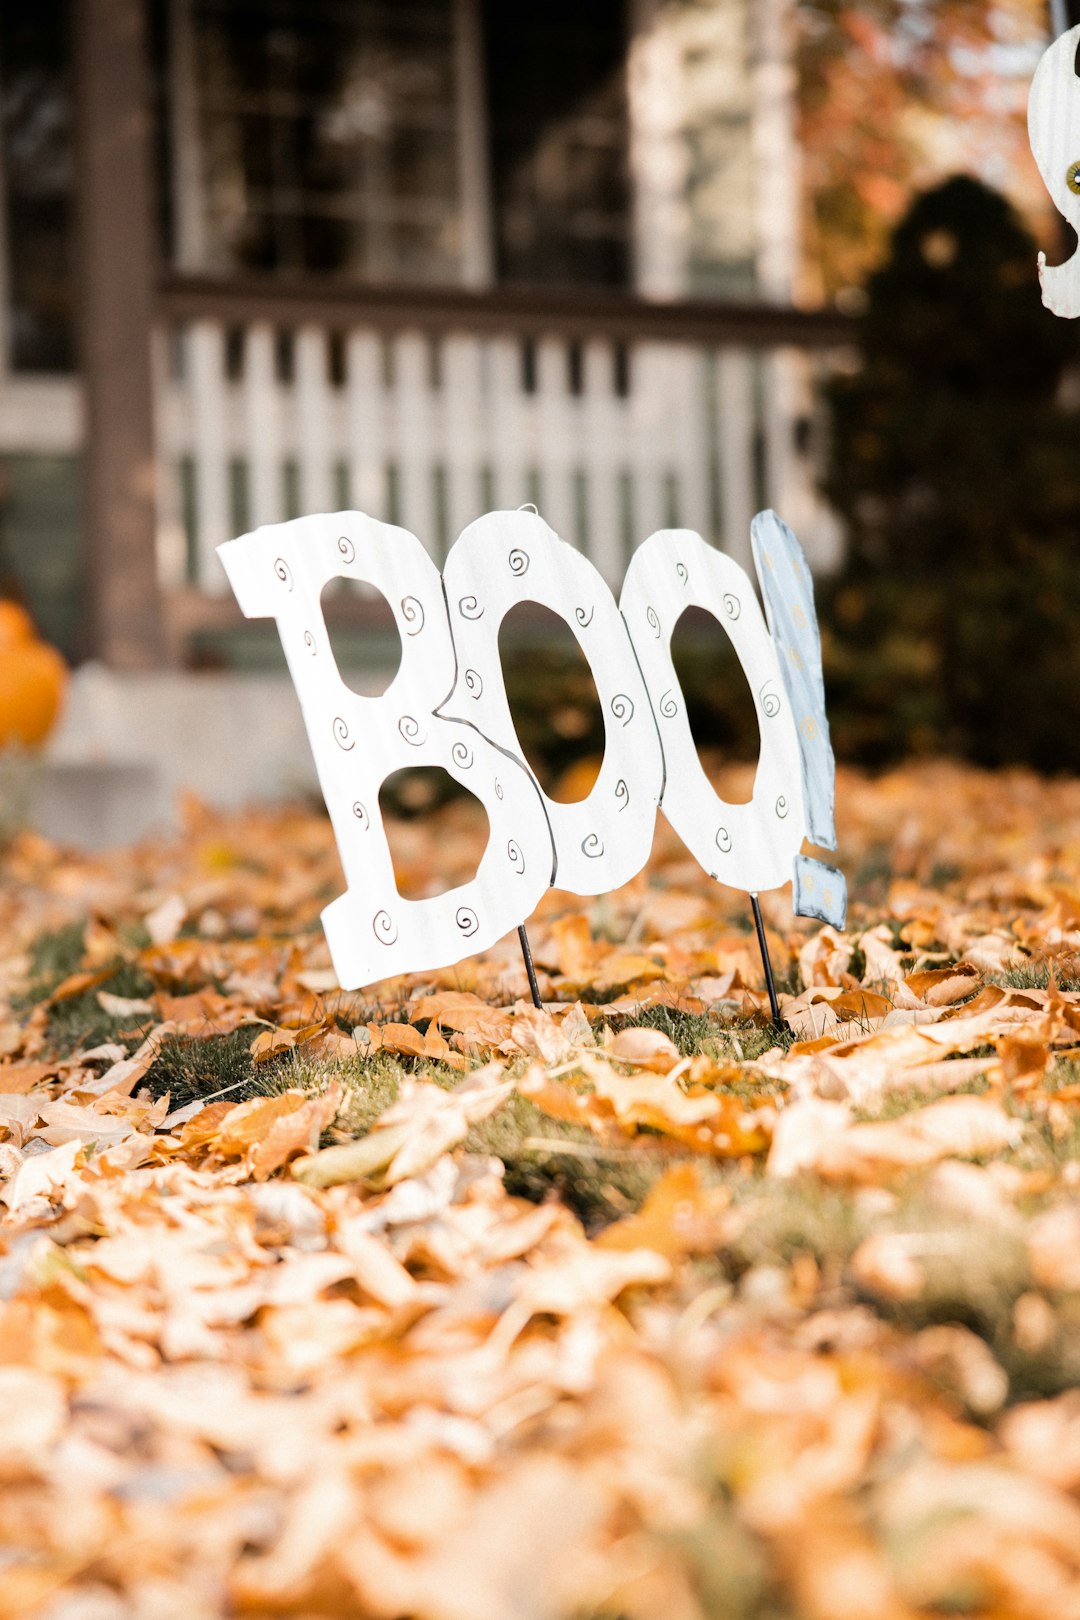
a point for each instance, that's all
(954, 467)
(893, 96)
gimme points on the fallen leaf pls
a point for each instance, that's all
(166, 920)
(294, 1132)
(680, 1215)
(646, 1048)
(124, 1006)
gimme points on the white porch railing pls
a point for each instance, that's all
(614, 418)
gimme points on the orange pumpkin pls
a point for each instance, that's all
(15, 625)
(33, 678)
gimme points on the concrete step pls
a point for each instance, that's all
(128, 745)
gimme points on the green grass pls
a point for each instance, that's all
(544, 1157)
(1032, 976)
(54, 956)
(80, 1022)
(739, 1041)
(194, 1067)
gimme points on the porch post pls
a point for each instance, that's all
(114, 270)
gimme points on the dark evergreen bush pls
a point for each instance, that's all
(956, 467)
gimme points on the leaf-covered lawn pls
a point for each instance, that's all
(421, 1303)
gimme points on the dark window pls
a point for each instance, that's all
(327, 133)
(559, 136)
(36, 134)
(328, 138)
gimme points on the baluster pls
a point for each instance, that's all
(649, 408)
(558, 438)
(313, 435)
(262, 421)
(735, 391)
(464, 429)
(173, 438)
(603, 454)
(688, 445)
(413, 441)
(511, 423)
(790, 473)
(365, 413)
(212, 516)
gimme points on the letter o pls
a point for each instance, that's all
(748, 846)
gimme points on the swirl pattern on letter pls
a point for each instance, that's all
(412, 612)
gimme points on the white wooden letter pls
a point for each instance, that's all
(749, 846)
(510, 557)
(358, 742)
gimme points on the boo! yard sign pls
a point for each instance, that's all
(447, 707)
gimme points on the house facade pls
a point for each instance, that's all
(421, 257)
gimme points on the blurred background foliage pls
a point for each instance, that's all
(955, 466)
(894, 96)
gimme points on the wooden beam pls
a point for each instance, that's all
(115, 277)
(578, 314)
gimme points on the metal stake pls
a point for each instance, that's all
(530, 970)
(765, 962)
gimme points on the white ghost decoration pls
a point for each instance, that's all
(1054, 133)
